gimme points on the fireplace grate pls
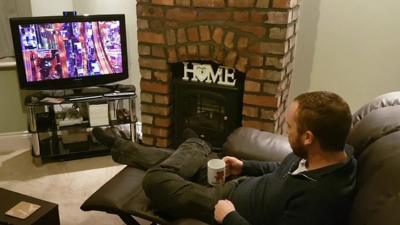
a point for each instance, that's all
(204, 113)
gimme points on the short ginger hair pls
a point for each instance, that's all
(327, 116)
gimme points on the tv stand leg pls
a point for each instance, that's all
(37, 161)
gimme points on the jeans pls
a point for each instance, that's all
(170, 181)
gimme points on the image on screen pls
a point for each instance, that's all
(54, 51)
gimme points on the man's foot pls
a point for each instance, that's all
(104, 138)
(189, 133)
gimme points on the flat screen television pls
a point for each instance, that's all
(67, 52)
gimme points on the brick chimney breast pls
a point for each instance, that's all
(256, 37)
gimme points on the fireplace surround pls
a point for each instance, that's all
(256, 37)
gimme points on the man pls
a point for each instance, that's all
(314, 185)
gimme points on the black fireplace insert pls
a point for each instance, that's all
(208, 99)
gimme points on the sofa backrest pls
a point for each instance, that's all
(382, 101)
(375, 137)
(250, 143)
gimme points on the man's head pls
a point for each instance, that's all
(318, 117)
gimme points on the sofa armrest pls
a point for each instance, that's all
(252, 144)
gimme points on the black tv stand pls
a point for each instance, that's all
(88, 91)
(61, 126)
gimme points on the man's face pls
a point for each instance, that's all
(295, 139)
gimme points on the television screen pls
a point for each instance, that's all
(69, 52)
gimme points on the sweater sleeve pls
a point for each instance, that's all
(234, 218)
(258, 168)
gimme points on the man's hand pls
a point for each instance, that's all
(223, 208)
(233, 166)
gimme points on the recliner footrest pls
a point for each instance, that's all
(123, 195)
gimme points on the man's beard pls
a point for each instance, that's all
(298, 148)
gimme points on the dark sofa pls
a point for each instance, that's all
(375, 137)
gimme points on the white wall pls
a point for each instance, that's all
(50, 7)
(24, 7)
(348, 47)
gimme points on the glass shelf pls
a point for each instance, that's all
(62, 131)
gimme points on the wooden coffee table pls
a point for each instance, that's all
(45, 215)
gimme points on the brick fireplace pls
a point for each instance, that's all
(255, 37)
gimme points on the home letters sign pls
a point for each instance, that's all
(205, 73)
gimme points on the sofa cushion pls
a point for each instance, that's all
(389, 99)
(378, 183)
(375, 125)
(250, 143)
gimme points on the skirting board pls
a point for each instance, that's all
(7, 63)
(15, 141)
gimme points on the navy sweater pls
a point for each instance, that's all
(273, 196)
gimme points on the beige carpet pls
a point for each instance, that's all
(66, 183)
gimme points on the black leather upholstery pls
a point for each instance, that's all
(124, 193)
(382, 101)
(376, 124)
(375, 137)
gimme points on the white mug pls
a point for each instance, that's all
(216, 171)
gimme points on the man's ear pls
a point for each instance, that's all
(308, 138)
